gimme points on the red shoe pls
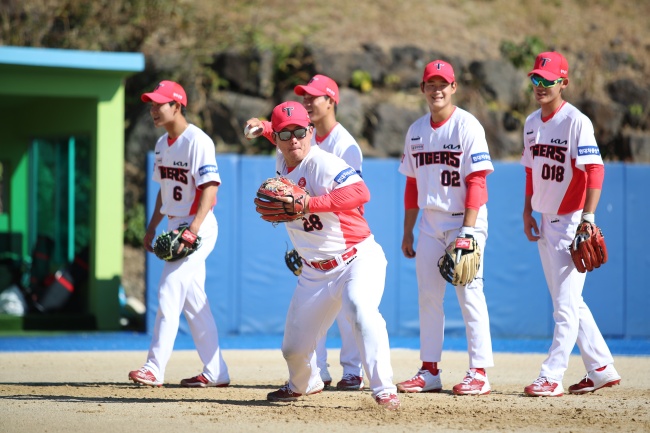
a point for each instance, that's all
(201, 381)
(350, 382)
(544, 387)
(474, 383)
(423, 381)
(594, 380)
(144, 377)
(388, 401)
(283, 394)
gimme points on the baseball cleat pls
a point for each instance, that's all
(474, 383)
(544, 387)
(144, 377)
(388, 401)
(319, 387)
(201, 381)
(283, 394)
(594, 380)
(350, 382)
(423, 381)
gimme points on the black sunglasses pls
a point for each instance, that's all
(298, 133)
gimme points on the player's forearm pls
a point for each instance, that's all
(469, 220)
(208, 194)
(341, 199)
(410, 217)
(156, 216)
(591, 200)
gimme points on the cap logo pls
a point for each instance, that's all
(330, 91)
(178, 96)
(545, 60)
(288, 110)
(439, 66)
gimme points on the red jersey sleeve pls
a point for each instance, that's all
(595, 175)
(477, 194)
(341, 199)
(411, 193)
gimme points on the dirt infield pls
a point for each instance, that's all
(88, 391)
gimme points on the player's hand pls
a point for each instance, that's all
(290, 200)
(147, 241)
(407, 245)
(530, 227)
(253, 128)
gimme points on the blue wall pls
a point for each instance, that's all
(249, 286)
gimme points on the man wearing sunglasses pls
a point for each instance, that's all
(320, 99)
(344, 270)
(564, 177)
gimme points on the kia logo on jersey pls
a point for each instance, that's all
(179, 164)
(558, 141)
(451, 146)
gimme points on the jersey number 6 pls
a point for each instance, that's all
(178, 193)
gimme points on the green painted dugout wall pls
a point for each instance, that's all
(51, 93)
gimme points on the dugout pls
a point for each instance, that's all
(62, 179)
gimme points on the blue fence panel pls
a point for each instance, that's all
(249, 287)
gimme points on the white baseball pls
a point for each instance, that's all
(252, 132)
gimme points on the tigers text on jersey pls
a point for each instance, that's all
(340, 142)
(182, 167)
(323, 235)
(557, 151)
(440, 159)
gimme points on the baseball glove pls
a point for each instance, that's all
(166, 246)
(276, 211)
(588, 249)
(461, 261)
(293, 261)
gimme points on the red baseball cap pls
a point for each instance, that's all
(289, 113)
(319, 85)
(439, 68)
(166, 91)
(551, 65)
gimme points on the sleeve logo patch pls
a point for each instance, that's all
(343, 176)
(208, 169)
(588, 150)
(480, 157)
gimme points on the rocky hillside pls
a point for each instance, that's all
(238, 59)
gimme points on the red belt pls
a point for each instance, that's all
(326, 265)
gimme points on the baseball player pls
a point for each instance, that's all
(320, 99)
(564, 177)
(446, 160)
(186, 168)
(344, 270)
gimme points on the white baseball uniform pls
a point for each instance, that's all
(352, 282)
(340, 142)
(440, 159)
(181, 168)
(557, 151)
